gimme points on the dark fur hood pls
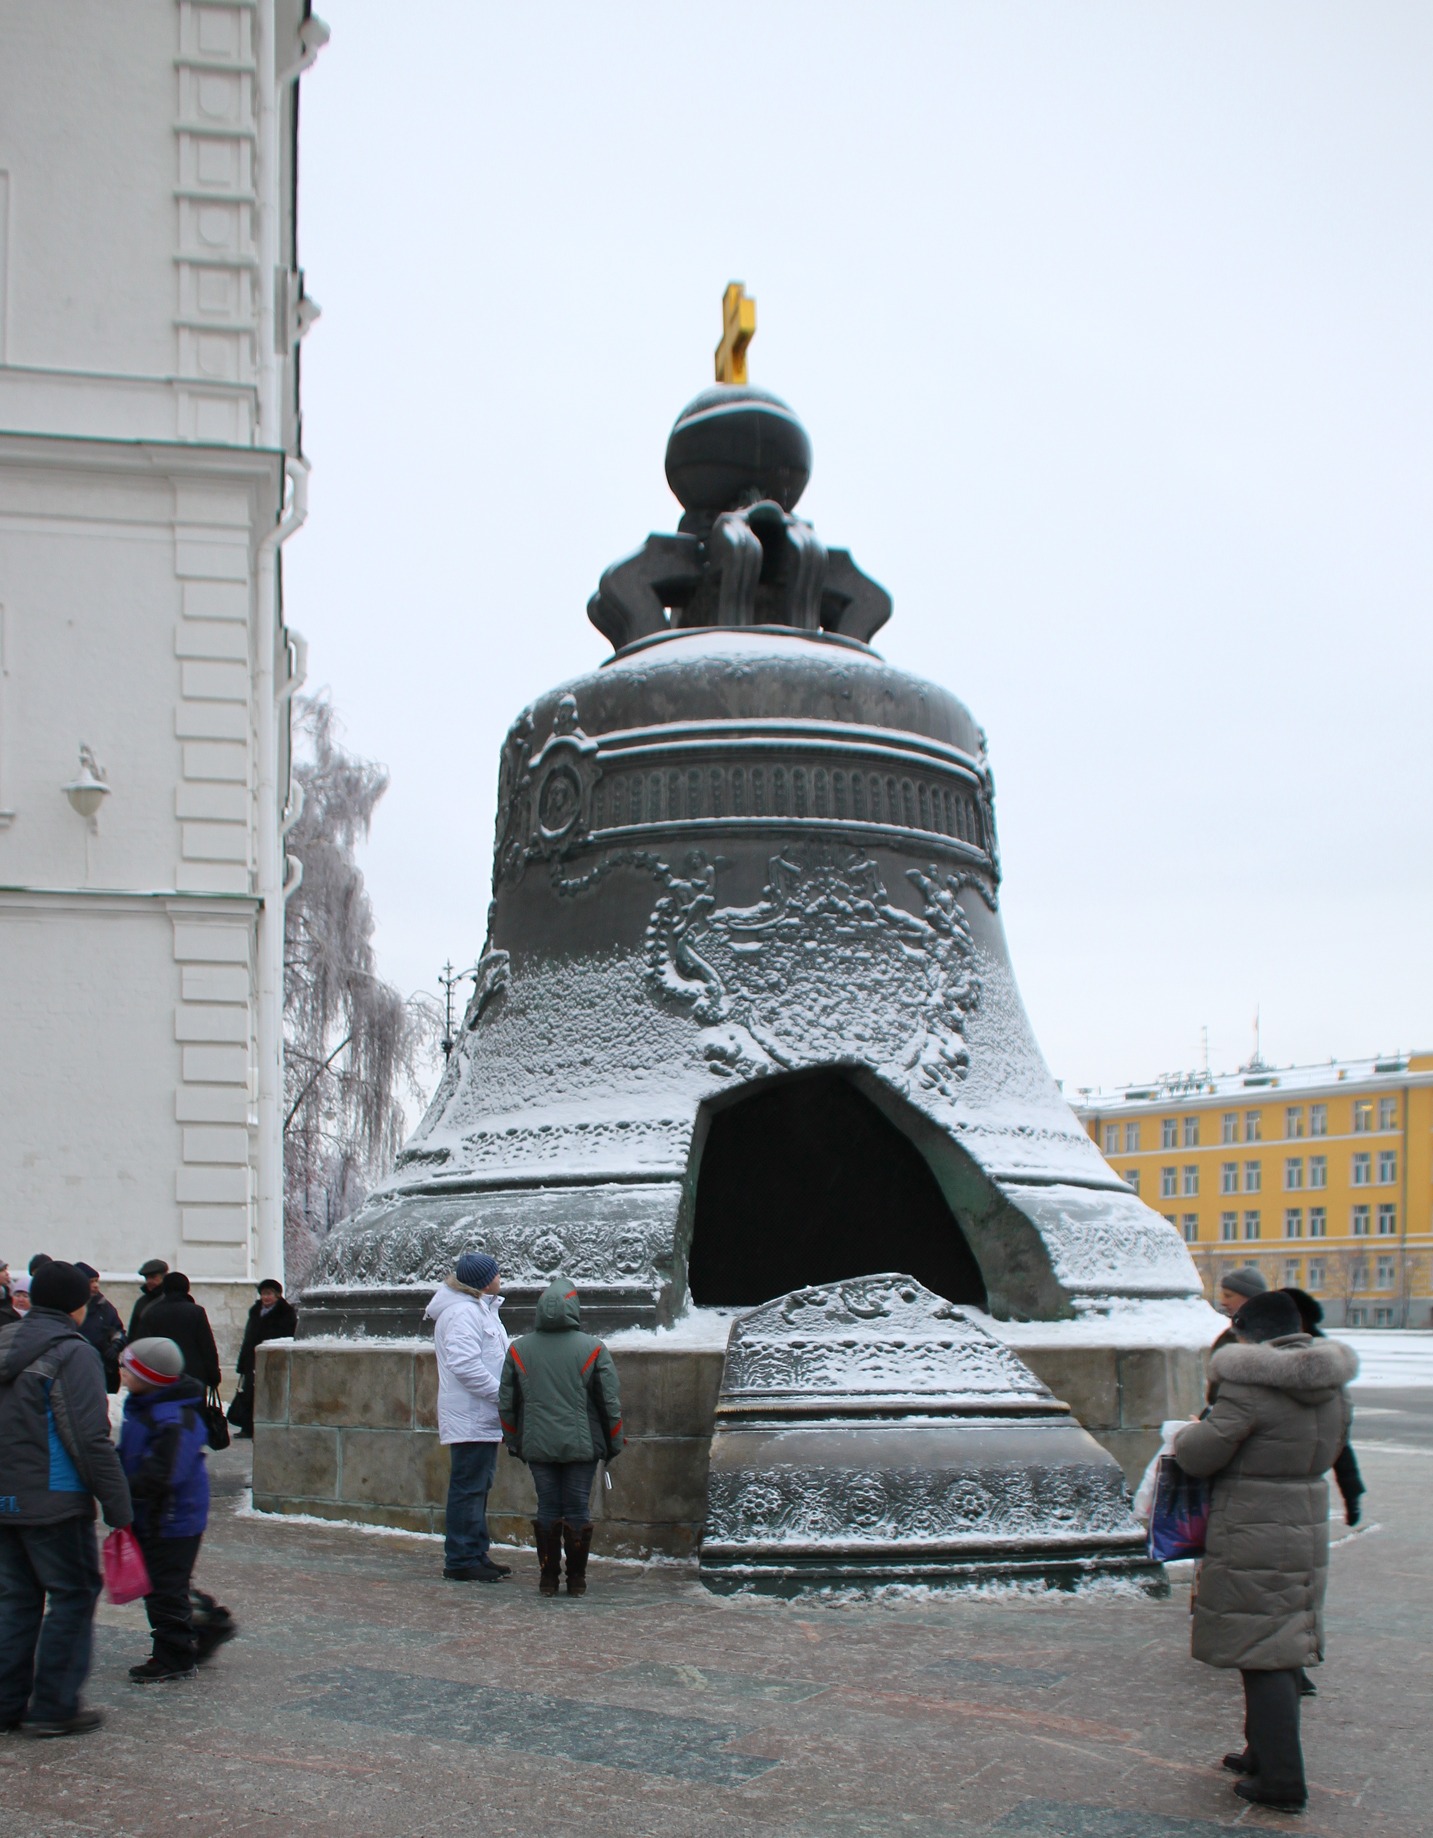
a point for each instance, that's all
(1311, 1370)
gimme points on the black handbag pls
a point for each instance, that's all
(214, 1419)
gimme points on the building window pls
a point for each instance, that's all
(1388, 1113)
(1318, 1120)
(1318, 1171)
(1112, 1139)
(1355, 1316)
(1294, 1120)
(1384, 1277)
(1293, 1222)
(1362, 1115)
(1131, 1139)
(1251, 1223)
(1231, 1126)
(1388, 1221)
(1253, 1131)
(1387, 1167)
(1318, 1222)
(1293, 1172)
(1291, 1272)
(1190, 1227)
(1360, 1222)
(1168, 1183)
(1383, 1317)
(1132, 1176)
(1171, 1219)
(1253, 1177)
(1362, 1169)
(1228, 1177)
(1169, 1133)
(1358, 1274)
(1228, 1226)
(1191, 1132)
(1316, 1273)
(1191, 1177)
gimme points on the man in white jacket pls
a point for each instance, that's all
(471, 1343)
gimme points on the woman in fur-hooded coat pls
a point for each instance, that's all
(1280, 1417)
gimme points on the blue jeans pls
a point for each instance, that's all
(469, 1481)
(564, 1490)
(43, 1664)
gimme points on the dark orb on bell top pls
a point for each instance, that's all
(734, 445)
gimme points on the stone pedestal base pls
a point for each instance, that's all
(348, 1430)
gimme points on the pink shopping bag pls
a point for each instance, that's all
(125, 1577)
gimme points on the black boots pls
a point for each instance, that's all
(549, 1557)
(551, 1542)
(578, 1542)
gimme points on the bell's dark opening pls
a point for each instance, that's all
(807, 1182)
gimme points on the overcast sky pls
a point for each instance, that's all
(1110, 324)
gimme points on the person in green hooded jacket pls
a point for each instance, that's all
(561, 1413)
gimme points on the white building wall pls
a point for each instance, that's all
(148, 475)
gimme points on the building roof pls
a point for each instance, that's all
(1186, 1089)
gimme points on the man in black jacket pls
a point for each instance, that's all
(152, 1274)
(56, 1459)
(178, 1317)
(271, 1318)
(102, 1327)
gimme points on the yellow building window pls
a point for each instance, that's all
(1293, 1222)
(1294, 1120)
(1131, 1139)
(1191, 1132)
(1318, 1120)
(1228, 1177)
(1388, 1113)
(1252, 1227)
(1318, 1222)
(1231, 1126)
(1191, 1228)
(1293, 1172)
(1362, 1115)
(1169, 1133)
(1387, 1167)
(1253, 1127)
(1253, 1177)
(1318, 1171)
(1191, 1178)
(1388, 1221)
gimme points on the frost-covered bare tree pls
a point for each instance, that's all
(352, 1043)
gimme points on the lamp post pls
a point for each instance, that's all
(449, 980)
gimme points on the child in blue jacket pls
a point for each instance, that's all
(161, 1449)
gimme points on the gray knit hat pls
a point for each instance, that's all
(156, 1360)
(1246, 1282)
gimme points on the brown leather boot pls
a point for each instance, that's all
(578, 1542)
(549, 1557)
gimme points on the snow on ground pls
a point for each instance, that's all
(1390, 1357)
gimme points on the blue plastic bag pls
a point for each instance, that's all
(1180, 1519)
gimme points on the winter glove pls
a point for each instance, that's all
(1352, 1512)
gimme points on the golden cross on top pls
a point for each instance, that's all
(738, 312)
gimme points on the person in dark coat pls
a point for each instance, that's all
(271, 1318)
(151, 1274)
(1280, 1418)
(561, 1413)
(1345, 1469)
(56, 1461)
(178, 1317)
(102, 1327)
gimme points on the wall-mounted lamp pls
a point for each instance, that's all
(89, 791)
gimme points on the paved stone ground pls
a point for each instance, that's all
(371, 1699)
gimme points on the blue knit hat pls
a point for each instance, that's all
(476, 1269)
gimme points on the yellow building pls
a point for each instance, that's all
(1320, 1176)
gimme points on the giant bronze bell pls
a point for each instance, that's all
(745, 1020)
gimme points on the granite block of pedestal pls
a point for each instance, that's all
(348, 1430)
